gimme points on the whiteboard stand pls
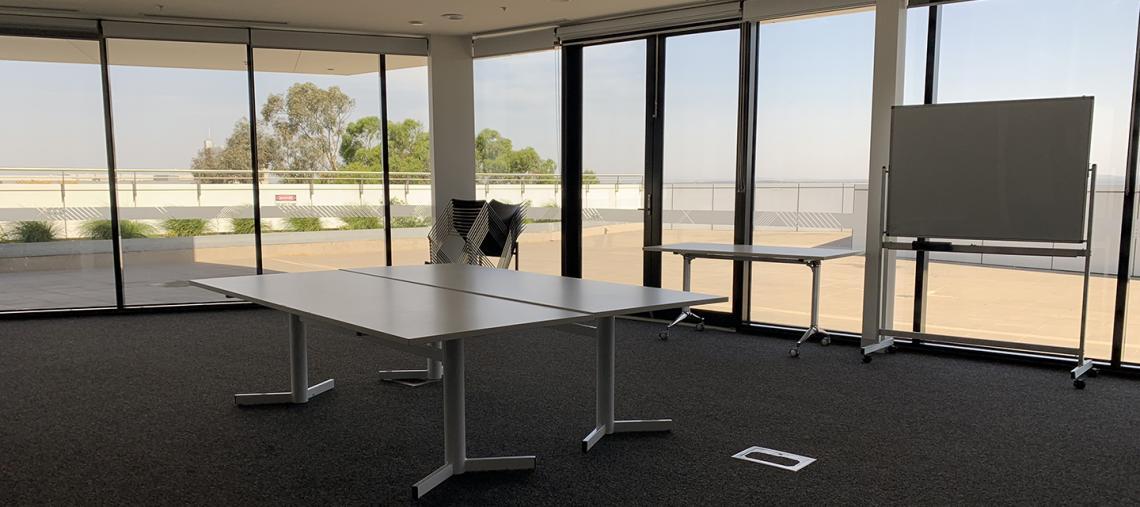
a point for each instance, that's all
(885, 341)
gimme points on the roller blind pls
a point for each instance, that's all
(172, 32)
(765, 10)
(649, 22)
(44, 26)
(286, 39)
(519, 42)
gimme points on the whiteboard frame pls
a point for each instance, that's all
(1084, 237)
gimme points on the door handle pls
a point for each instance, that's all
(648, 204)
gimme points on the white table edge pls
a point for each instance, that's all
(390, 337)
(612, 313)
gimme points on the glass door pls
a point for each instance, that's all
(613, 161)
(699, 155)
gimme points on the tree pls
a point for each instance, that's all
(490, 148)
(410, 147)
(496, 154)
(304, 135)
(230, 163)
(308, 122)
(361, 143)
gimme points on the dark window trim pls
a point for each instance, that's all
(1128, 217)
(571, 161)
(746, 116)
(112, 178)
(654, 175)
(384, 160)
(255, 171)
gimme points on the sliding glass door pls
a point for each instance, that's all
(1021, 49)
(699, 154)
(813, 129)
(613, 161)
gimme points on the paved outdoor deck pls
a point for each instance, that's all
(969, 300)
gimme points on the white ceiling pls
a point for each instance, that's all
(371, 16)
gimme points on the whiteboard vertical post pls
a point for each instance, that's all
(884, 314)
(1084, 366)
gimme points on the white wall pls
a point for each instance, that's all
(451, 81)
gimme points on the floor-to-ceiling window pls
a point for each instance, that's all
(54, 183)
(812, 143)
(1017, 49)
(184, 107)
(320, 159)
(699, 154)
(516, 148)
(409, 157)
(613, 161)
(176, 185)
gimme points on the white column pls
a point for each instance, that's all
(886, 91)
(452, 108)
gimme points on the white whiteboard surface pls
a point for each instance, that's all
(1010, 170)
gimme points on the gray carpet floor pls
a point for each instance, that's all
(138, 409)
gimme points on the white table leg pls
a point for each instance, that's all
(686, 312)
(813, 329)
(604, 422)
(415, 378)
(299, 391)
(455, 431)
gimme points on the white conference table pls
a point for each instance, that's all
(412, 308)
(809, 256)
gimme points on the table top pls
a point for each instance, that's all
(386, 308)
(754, 252)
(599, 299)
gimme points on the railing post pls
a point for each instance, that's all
(797, 207)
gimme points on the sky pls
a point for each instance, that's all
(813, 95)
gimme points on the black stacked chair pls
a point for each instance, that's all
(471, 232)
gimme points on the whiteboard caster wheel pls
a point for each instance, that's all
(892, 349)
(700, 326)
(866, 358)
(1079, 383)
(664, 335)
(1093, 373)
(825, 341)
(794, 352)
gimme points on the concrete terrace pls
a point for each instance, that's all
(1012, 304)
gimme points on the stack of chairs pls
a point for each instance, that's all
(472, 232)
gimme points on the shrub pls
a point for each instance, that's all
(128, 229)
(303, 224)
(412, 221)
(245, 226)
(356, 223)
(33, 231)
(131, 229)
(185, 227)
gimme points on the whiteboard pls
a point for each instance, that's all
(1010, 170)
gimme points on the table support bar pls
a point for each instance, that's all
(686, 311)
(299, 391)
(415, 378)
(604, 407)
(813, 329)
(455, 430)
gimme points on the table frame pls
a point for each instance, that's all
(815, 264)
(448, 356)
(299, 390)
